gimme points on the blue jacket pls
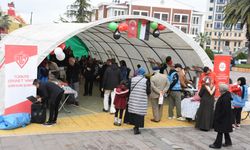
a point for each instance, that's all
(239, 101)
(175, 84)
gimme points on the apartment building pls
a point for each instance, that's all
(222, 38)
(180, 15)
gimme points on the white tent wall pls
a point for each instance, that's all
(100, 42)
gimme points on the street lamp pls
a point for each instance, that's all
(219, 37)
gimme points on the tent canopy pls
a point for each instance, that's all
(101, 44)
(77, 46)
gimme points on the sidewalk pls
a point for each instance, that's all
(185, 138)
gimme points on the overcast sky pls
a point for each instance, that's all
(47, 11)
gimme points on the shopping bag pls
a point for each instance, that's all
(161, 98)
(246, 108)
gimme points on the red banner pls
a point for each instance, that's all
(132, 28)
(222, 70)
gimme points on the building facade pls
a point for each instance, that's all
(178, 14)
(222, 38)
(16, 21)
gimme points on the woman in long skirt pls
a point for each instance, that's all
(204, 115)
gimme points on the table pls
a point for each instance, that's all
(67, 91)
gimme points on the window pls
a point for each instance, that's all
(217, 25)
(219, 8)
(215, 42)
(210, 8)
(177, 18)
(218, 17)
(210, 33)
(184, 19)
(195, 31)
(157, 15)
(181, 18)
(208, 42)
(142, 13)
(235, 44)
(220, 1)
(235, 34)
(162, 16)
(210, 17)
(227, 34)
(183, 28)
(196, 20)
(227, 27)
(211, 25)
(214, 47)
(207, 25)
(239, 34)
(136, 12)
(118, 12)
(211, 1)
(239, 44)
(215, 33)
(237, 26)
(227, 43)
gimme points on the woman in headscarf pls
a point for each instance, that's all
(138, 99)
(223, 118)
(240, 96)
(204, 115)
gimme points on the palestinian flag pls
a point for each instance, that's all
(143, 30)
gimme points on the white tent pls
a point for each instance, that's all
(101, 44)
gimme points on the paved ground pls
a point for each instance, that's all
(186, 138)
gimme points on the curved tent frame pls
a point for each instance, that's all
(101, 44)
(48, 36)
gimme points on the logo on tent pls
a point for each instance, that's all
(21, 59)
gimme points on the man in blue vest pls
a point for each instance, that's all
(174, 96)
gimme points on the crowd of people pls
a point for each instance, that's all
(131, 93)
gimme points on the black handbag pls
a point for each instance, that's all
(38, 113)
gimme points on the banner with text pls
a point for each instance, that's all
(222, 70)
(20, 71)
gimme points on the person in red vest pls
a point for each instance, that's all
(207, 72)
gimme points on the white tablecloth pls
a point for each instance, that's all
(189, 108)
(69, 90)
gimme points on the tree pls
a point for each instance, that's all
(80, 9)
(202, 38)
(210, 53)
(4, 22)
(238, 11)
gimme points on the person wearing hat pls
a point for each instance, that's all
(138, 100)
(174, 91)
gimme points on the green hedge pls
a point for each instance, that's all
(210, 53)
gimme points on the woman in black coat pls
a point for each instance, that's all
(223, 118)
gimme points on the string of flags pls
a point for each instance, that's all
(138, 28)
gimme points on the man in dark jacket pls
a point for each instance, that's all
(88, 73)
(53, 94)
(223, 118)
(111, 80)
(72, 76)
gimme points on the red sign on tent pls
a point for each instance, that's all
(132, 28)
